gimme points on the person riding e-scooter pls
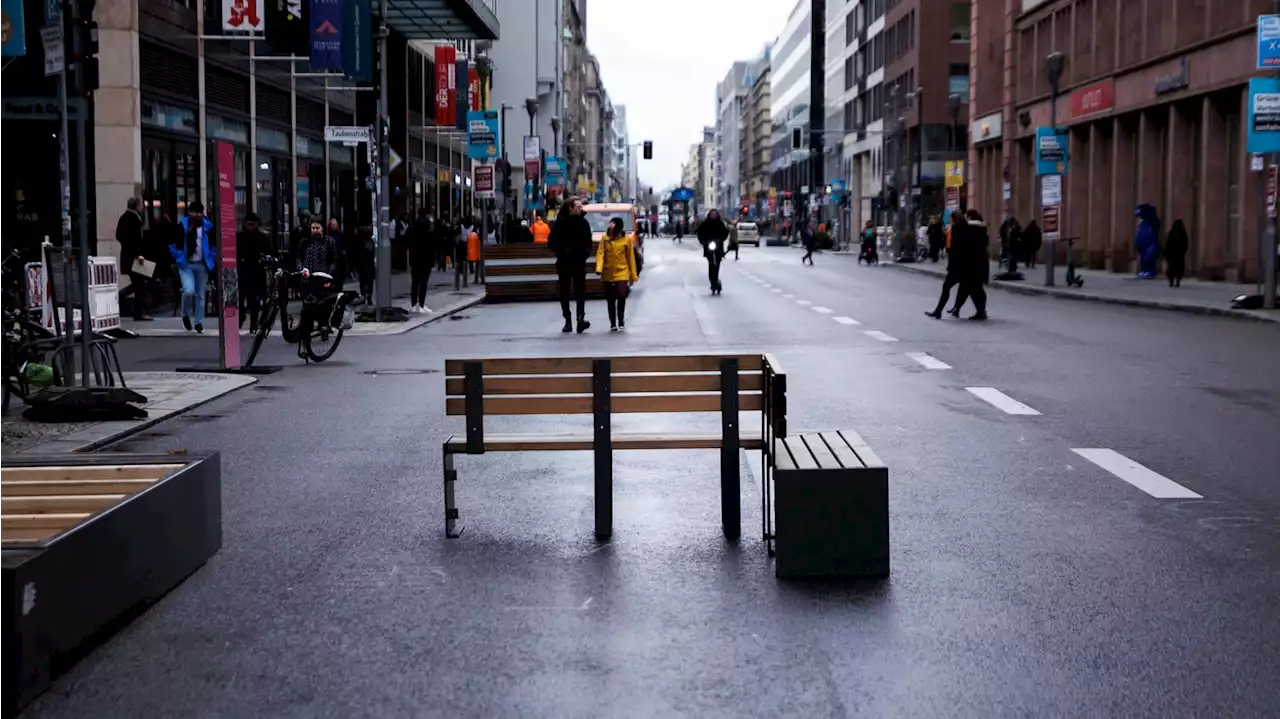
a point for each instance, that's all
(713, 234)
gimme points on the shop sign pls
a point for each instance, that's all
(483, 128)
(1051, 150)
(1098, 97)
(987, 128)
(1175, 81)
(1264, 115)
(955, 173)
(241, 16)
(484, 182)
(1268, 42)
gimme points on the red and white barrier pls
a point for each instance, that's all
(104, 294)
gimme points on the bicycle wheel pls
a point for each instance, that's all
(321, 344)
(264, 328)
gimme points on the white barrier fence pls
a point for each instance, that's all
(104, 294)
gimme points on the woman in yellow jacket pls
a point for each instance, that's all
(616, 265)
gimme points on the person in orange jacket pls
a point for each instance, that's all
(541, 231)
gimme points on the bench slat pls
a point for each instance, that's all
(620, 440)
(842, 450)
(866, 455)
(821, 454)
(59, 504)
(800, 453)
(625, 404)
(622, 384)
(88, 486)
(582, 365)
(782, 455)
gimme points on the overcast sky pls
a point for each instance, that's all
(647, 48)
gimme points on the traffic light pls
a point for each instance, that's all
(82, 53)
(648, 150)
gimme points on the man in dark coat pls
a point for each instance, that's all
(251, 244)
(571, 242)
(1176, 246)
(712, 233)
(422, 255)
(955, 268)
(976, 266)
(937, 238)
(132, 247)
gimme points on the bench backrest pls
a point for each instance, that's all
(604, 385)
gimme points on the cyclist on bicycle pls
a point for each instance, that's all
(319, 252)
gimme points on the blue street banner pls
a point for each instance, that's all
(357, 40)
(15, 29)
(1052, 151)
(555, 172)
(483, 134)
(1264, 115)
(1268, 42)
(326, 34)
(464, 97)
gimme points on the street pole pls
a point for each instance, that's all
(1269, 263)
(68, 337)
(82, 188)
(251, 201)
(328, 184)
(382, 267)
(817, 94)
(920, 151)
(1053, 65)
(293, 135)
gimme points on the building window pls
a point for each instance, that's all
(848, 29)
(960, 22)
(848, 72)
(877, 9)
(958, 82)
(860, 16)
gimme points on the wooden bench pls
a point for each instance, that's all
(832, 506)
(602, 387)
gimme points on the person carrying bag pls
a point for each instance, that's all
(616, 265)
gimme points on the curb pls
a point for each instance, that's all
(1103, 299)
(436, 316)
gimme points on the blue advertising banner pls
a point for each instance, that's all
(1268, 42)
(555, 172)
(15, 29)
(326, 34)
(1264, 114)
(483, 134)
(464, 96)
(682, 194)
(1051, 151)
(357, 40)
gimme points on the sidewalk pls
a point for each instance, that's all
(167, 393)
(440, 298)
(1195, 296)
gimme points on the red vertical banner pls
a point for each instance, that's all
(443, 65)
(229, 329)
(473, 82)
(451, 68)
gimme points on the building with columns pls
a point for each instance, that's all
(1154, 94)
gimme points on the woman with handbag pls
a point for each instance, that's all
(616, 265)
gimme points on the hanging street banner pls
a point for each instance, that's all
(1264, 115)
(15, 29)
(287, 29)
(955, 173)
(451, 113)
(242, 17)
(483, 134)
(326, 34)
(473, 88)
(462, 102)
(555, 172)
(357, 40)
(483, 181)
(1268, 42)
(443, 62)
(1051, 151)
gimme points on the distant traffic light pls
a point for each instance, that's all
(648, 150)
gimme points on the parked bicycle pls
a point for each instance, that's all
(314, 313)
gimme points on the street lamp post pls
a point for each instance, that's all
(1053, 65)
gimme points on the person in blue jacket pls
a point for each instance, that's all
(1147, 241)
(195, 253)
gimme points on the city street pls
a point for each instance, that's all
(1084, 503)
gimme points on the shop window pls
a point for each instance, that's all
(958, 82)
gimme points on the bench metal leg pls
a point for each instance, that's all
(452, 528)
(603, 441)
(730, 468)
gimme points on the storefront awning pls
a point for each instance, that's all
(444, 19)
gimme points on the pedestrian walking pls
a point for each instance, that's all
(443, 242)
(1032, 238)
(733, 239)
(195, 253)
(133, 257)
(251, 245)
(936, 237)
(364, 261)
(955, 269)
(570, 241)
(807, 240)
(461, 243)
(422, 256)
(976, 267)
(616, 265)
(1176, 246)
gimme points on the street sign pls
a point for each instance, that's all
(532, 148)
(1264, 115)
(241, 16)
(52, 12)
(953, 198)
(483, 182)
(1049, 216)
(532, 170)
(483, 129)
(955, 173)
(1051, 190)
(1255, 163)
(346, 134)
(1051, 151)
(1268, 42)
(53, 49)
(393, 160)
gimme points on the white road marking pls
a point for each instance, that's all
(928, 361)
(1153, 483)
(803, 302)
(822, 310)
(846, 320)
(766, 286)
(776, 289)
(877, 334)
(788, 296)
(1002, 401)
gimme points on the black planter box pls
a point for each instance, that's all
(89, 541)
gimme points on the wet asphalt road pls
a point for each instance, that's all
(1027, 581)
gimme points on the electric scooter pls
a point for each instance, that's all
(714, 257)
(1073, 279)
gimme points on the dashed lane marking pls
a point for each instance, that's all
(776, 289)
(788, 296)
(1002, 401)
(822, 310)
(878, 335)
(803, 302)
(928, 361)
(846, 320)
(1153, 483)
